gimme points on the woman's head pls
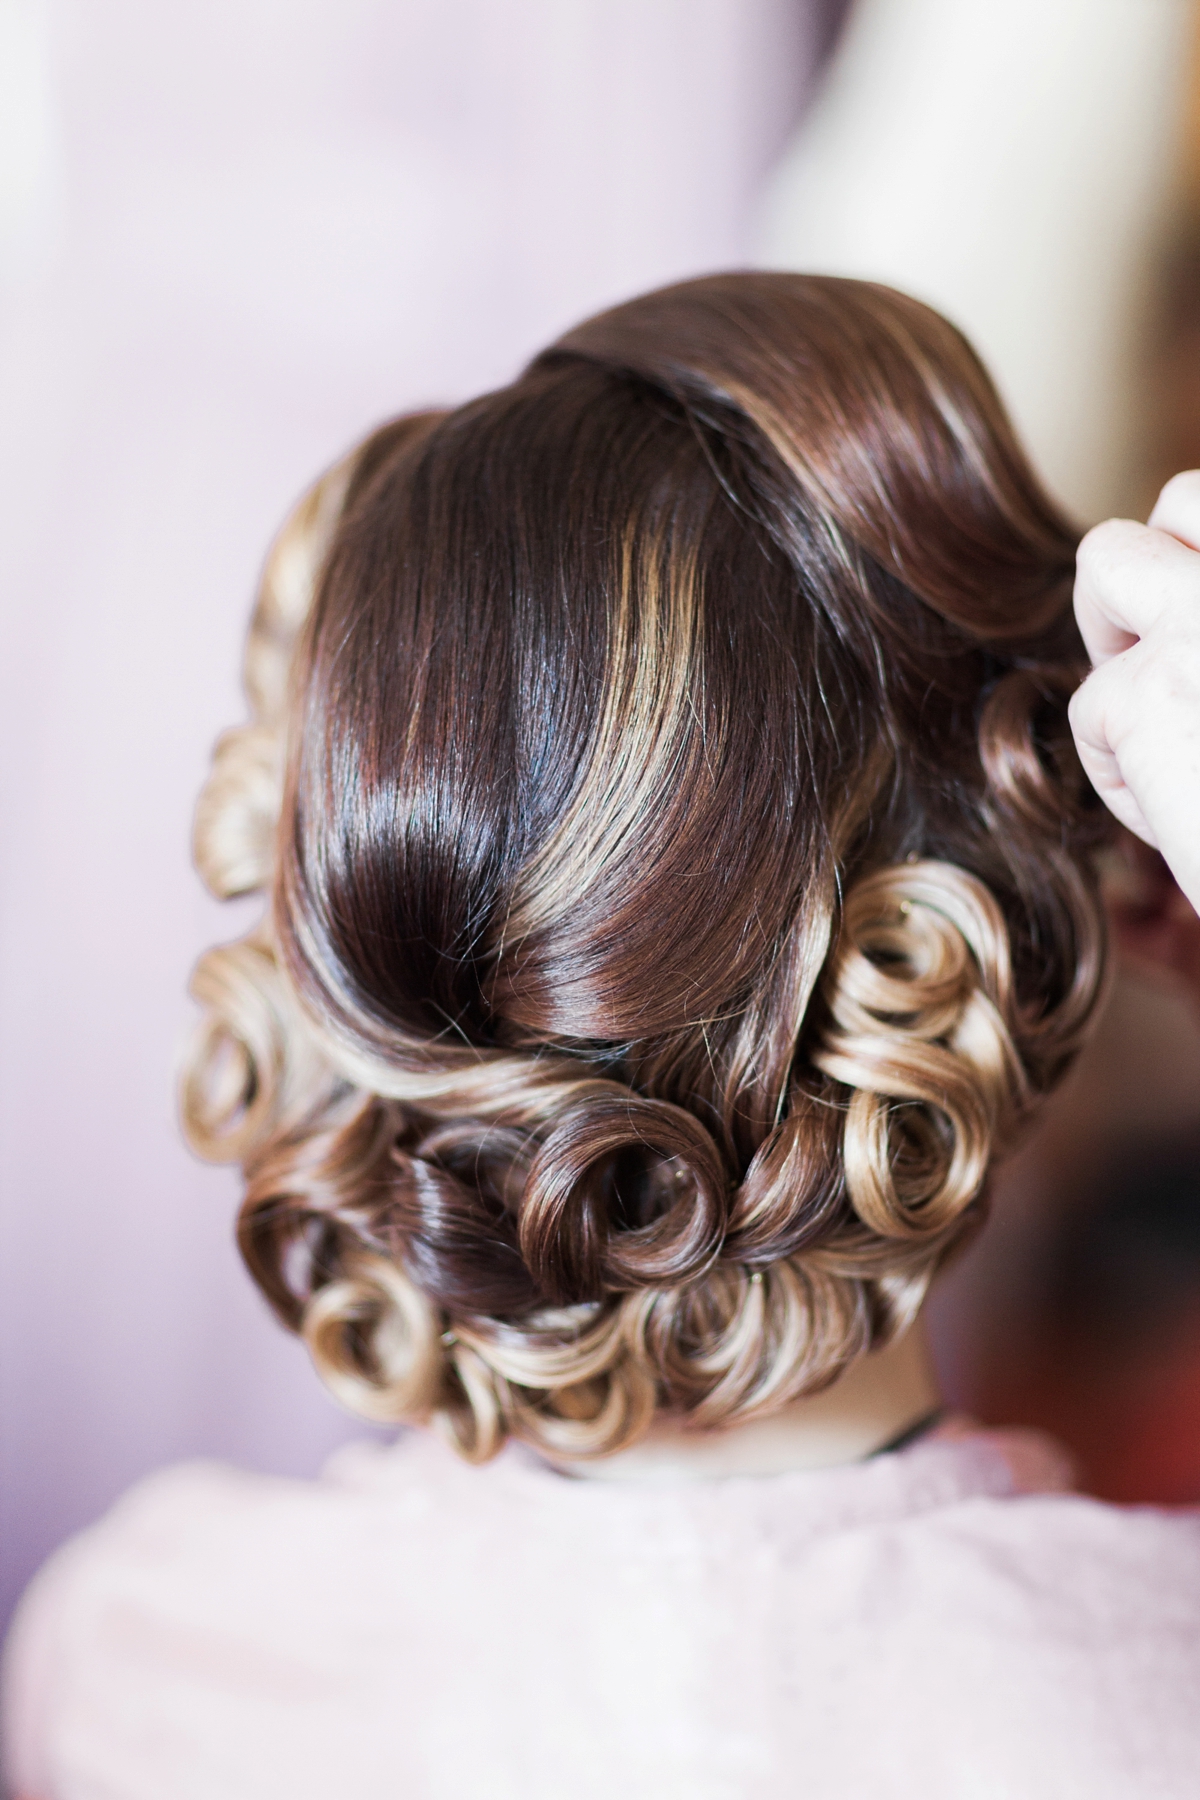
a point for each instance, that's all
(676, 882)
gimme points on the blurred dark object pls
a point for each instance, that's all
(831, 17)
(1079, 1309)
(1176, 383)
(1174, 362)
(1111, 1362)
(1155, 928)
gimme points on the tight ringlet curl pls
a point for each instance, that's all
(676, 860)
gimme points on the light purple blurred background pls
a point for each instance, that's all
(233, 236)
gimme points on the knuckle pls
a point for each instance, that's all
(1109, 545)
(1184, 486)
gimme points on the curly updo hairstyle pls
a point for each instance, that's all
(660, 776)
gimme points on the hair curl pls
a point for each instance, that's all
(660, 773)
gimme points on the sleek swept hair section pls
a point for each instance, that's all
(660, 773)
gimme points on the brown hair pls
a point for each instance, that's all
(677, 895)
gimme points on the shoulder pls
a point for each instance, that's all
(237, 1611)
(203, 1539)
(204, 1590)
(1032, 1532)
(1015, 1550)
(1049, 1639)
(176, 1528)
(1055, 1544)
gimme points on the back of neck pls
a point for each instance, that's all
(877, 1400)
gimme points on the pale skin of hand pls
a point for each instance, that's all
(1136, 718)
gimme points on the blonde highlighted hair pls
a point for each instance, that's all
(660, 776)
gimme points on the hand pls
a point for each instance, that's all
(1136, 718)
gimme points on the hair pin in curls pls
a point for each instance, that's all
(449, 1338)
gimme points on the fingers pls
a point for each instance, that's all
(1097, 720)
(1129, 574)
(1136, 718)
(1177, 509)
